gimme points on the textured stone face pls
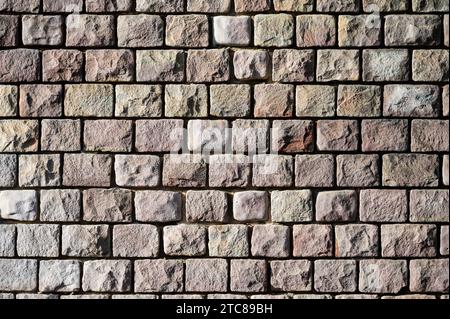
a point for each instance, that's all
(429, 205)
(137, 170)
(186, 100)
(206, 275)
(63, 5)
(94, 100)
(336, 206)
(337, 65)
(107, 205)
(87, 170)
(219, 6)
(40, 100)
(157, 206)
(444, 244)
(359, 101)
(356, 240)
(315, 30)
(274, 30)
(85, 240)
(402, 240)
(230, 100)
(159, 135)
(229, 171)
(22, 274)
(274, 100)
(107, 5)
(19, 65)
(18, 135)
(384, 5)
(8, 100)
(138, 101)
(184, 171)
(291, 275)
(430, 65)
(412, 30)
(315, 100)
(250, 205)
(62, 65)
(158, 275)
(337, 5)
(430, 135)
(383, 205)
(251, 6)
(314, 170)
(8, 30)
(84, 30)
(251, 64)
(159, 5)
(158, 65)
(38, 240)
(270, 241)
(233, 31)
(384, 135)
(361, 30)
(357, 170)
(41, 30)
(207, 137)
(293, 65)
(294, 5)
(208, 65)
(382, 276)
(228, 241)
(109, 65)
(59, 275)
(335, 275)
(135, 241)
(140, 31)
(39, 170)
(429, 275)
(394, 61)
(187, 31)
(8, 171)
(107, 135)
(107, 275)
(250, 136)
(7, 240)
(411, 100)
(206, 206)
(291, 206)
(185, 240)
(248, 275)
(18, 205)
(337, 135)
(60, 135)
(60, 205)
(312, 240)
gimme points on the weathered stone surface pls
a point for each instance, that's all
(18, 136)
(294, 5)
(88, 100)
(8, 30)
(157, 206)
(159, 135)
(19, 65)
(429, 206)
(446, 30)
(395, 64)
(408, 240)
(108, 5)
(109, 66)
(380, 205)
(293, 65)
(107, 275)
(140, 31)
(208, 137)
(273, 170)
(430, 65)
(291, 275)
(63, 5)
(337, 135)
(208, 65)
(206, 206)
(337, 65)
(383, 276)
(359, 101)
(444, 241)
(411, 101)
(412, 30)
(248, 275)
(229, 170)
(228, 241)
(445, 100)
(410, 170)
(316, 30)
(7, 240)
(429, 275)
(359, 31)
(233, 31)
(250, 136)
(314, 170)
(137, 170)
(337, 5)
(135, 241)
(312, 240)
(274, 30)
(60, 205)
(39, 170)
(22, 274)
(41, 30)
(85, 240)
(87, 30)
(8, 170)
(270, 240)
(8, 100)
(62, 65)
(186, 100)
(59, 275)
(274, 100)
(139, 101)
(384, 5)
(87, 170)
(445, 170)
(60, 135)
(358, 240)
(40, 100)
(251, 64)
(18, 205)
(159, 5)
(384, 135)
(107, 135)
(251, 6)
(184, 240)
(206, 275)
(291, 206)
(230, 100)
(315, 101)
(38, 240)
(184, 170)
(430, 6)
(107, 205)
(335, 275)
(218, 6)
(158, 275)
(187, 31)
(357, 170)
(160, 66)
(336, 206)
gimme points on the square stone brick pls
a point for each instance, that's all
(359, 101)
(139, 101)
(107, 276)
(248, 275)
(41, 100)
(357, 170)
(108, 5)
(8, 240)
(358, 240)
(160, 275)
(159, 5)
(312, 240)
(395, 64)
(272, 171)
(8, 170)
(157, 206)
(445, 100)
(137, 170)
(274, 30)
(19, 65)
(206, 206)
(62, 6)
(315, 101)
(384, 5)
(60, 135)
(229, 170)
(60, 205)
(140, 31)
(109, 65)
(335, 275)
(291, 275)
(232, 31)
(408, 240)
(59, 275)
(274, 100)
(228, 241)
(429, 206)
(91, 170)
(208, 65)
(208, 136)
(250, 205)
(383, 276)
(430, 65)
(19, 136)
(107, 205)
(41, 30)
(293, 65)
(337, 65)
(429, 275)
(251, 6)
(250, 136)
(382, 205)
(62, 65)
(411, 101)
(444, 241)
(291, 206)
(218, 6)
(270, 240)
(9, 26)
(401, 30)
(338, 5)
(445, 170)
(314, 170)
(18, 205)
(337, 135)
(186, 100)
(184, 170)
(88, 30)
(292, 136)
(160, 66)
(359, 31)
(184, 240)
(430, 136)
(38, 240)
(206, 275)
(315, 30)
(9, 96)
(135, 241)
(384, 135)
(88, 100)
(230, 100)
(187, 31)
(337, 206)
(39, 170)
(294, 5)
(107, 135)
(85, 241)
(159, 135)
(251, 64)
(22, 274)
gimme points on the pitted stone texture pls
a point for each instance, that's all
(60, 205)
(140, 31)
(19, 65)
(337, 135)
(395, 64)
(18, 136)
(184, 170)
(429, 275)
(316, 30)
(186, 100)
(359, 31)
(383, 276)
(9, 96)
(337, 65)
(206, 275)
(291, 275)
(430, 136)
(250, 136)
(230, 100)
(248, 275)
(137, 170)
(446, 30)
(411, 100)
(445, 100)
(157, 206)
(272, 170)
(314, 170)
(294, 5)
(216, 6)
(429, 206)
(312, 240)
(135, 241)
(159, 5)
(291, 206)
(107, 205)
(445, 170)
(270, 240)
(108, 5)
(293, 65)
(85, 241)
(59, 275)
(159, 135)
(8, 170)
(20, 5)
(430, 6)
(40, 100)
(88, 100)
(107, 135)
(380, 205)
(232, 31)
(359, 101)
(358, 240)
(251, 6)
(38, 240)
(274, 30)
(7, 240)
(251, 64)
(208, 65)
(337, 5)
(63, 5)
(385, 5)
(8, 30)
(39, 170)
(335, 275)
(60, 135)
(274, 100)
(315, 101)
(384, 135)
(408, 240)
(160, 66)
(444, 244)
(430, 65)
(208, 136)
(206, 206)
(107, 275)
(189, 31)
(158, 275)
(336, 206)
(413, 30)
(138, 101)
(185, 240)
(62, 65)
(228, 241)
(84, 30)
(109, 66)
(357, 170)
(22, 274)
(41, 30)
(18, 205)
(410, 170)
(87, 170)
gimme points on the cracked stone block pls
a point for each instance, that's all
(408, 240)
(184, 170)
(85, 241)
(88, 100)
(206, 206)
(107, 205)
(184, 240)
(337, 135)
(312, 240)
(359, 31)
(157, 206)
(60, 205)
(41, 100)
(20, 136)
(9, 27)
(411, 101)
(359, 101)
(272, 170)
(430, 65)
(39, 170)
(357, 240)
(293, 65)
(250, 136)
(248, 275)
(137, 170)
(59, 276)
(206, 275)
(107, 276)
(159, 275)
(270, 241)
(401, 30)
(38, 240)
(135, 241)
(190, 31)
(291, 206)
(189, 100)
(274, 100)
(228, 241)
(292, 136)
(18, 205)
(9, 95)
(384, 5)
(208, 136)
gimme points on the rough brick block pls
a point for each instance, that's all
(337, 65)
(291, 206)
(60, 135)
(8, 170)
(444, 241)
(209, 275)
(62, 6)
(159, 5)
(314, 170)
(107, 135)
(358, 240)
(251, 6)
(315, 101)
(157, 206)
(22, 274)
(108, 5)
(408, 240)
(189, 31)
(208, 65)
(357, 170)
(274, 30)
(135, 241)
(429, 275)
(335, 275)
(248, 275)
(411, 100)
(85, 241)
(337, 135)
(18, 205)
(272, 170)
(270, 240)
(228, 241)
(383, 276)
(39, 170)
(430, 65)
(140, 31)
(160, 66)
(107, 275)
(158, 275)
(359, 31)
(19, 65)
(293, 65)
(107, 205)
(137, 170)
(291, 275)
(9, 26)
(9, 95)
(430, 136)
(336, 206)
(429, 206)
(7, 240)
(380, 205)
(41, 30)
(229, 170)
(384, 5)
(206, 206)
(445, 100)
(251, 64)
(109, 65)
(384, 135)
(59, 275)
(40, 100)
(312, 240)
(159, 135)
(274, 100)
(88, 100)
(60, 205)
(359, 101)
(208, 137)
(217, 6)
(403, 30)
(87, 170)
(232, 31)
(250, 205)
(250, 136)
(139, 101)
(87, 30)
(184, 170)
(230, 100)
(316, 30)
(394, 62)
(62, 65)
(186, 100)
(294, 5)
(184, 240)
(445, 170)
(38, 240)
(19, 136)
